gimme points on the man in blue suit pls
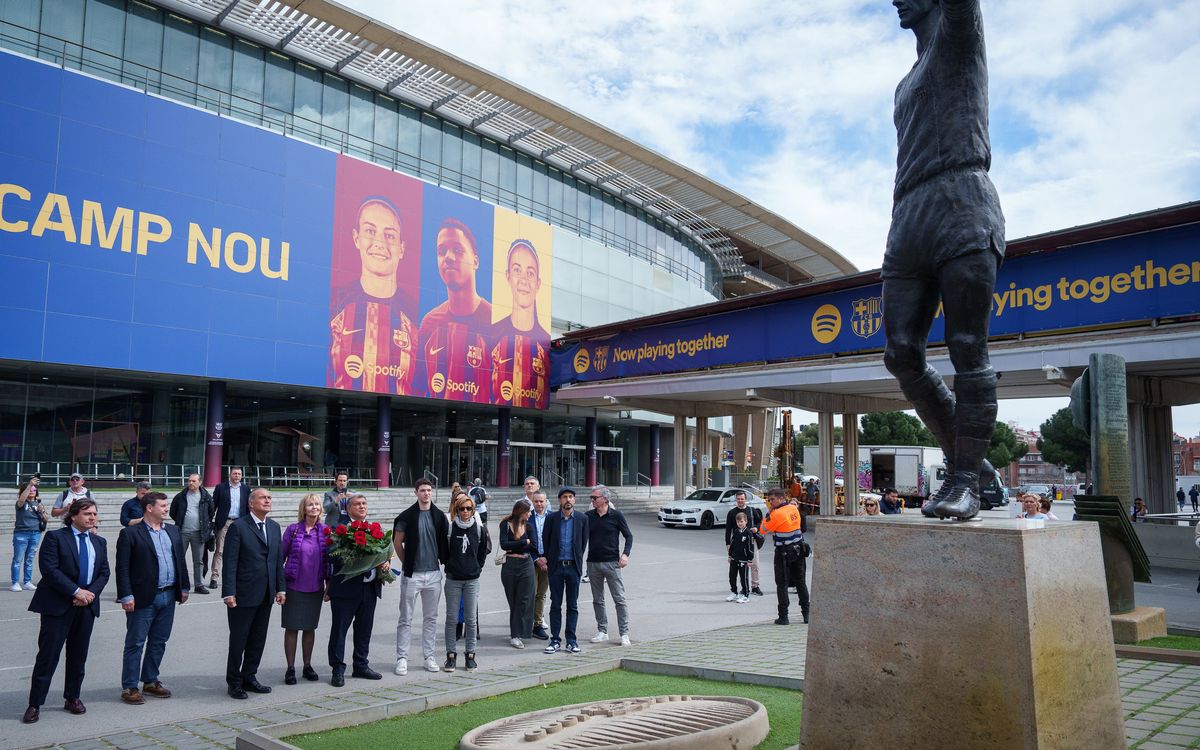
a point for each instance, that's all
(74, 566)
(252, 580)
(151, 577)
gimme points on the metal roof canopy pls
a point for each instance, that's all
(731, 227)
(1161, 372)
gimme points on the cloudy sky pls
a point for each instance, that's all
(790, 103)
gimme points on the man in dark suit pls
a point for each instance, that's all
(74, 566)
(564, 542)
(252, 581)
(232, 501)
(353, 601)
(151, 577)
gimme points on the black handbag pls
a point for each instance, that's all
(806, 548)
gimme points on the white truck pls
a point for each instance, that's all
(909, 469)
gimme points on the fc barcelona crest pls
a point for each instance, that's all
(474, 355)
(867, 317)
(401, 338)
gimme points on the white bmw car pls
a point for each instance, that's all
(706, 508)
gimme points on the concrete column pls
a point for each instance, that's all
(741, 440)
(682, 464)
(1153, 477)
(825, 470)
(589, 436)
(214, 442)
(318, 427)
(383, 441)
(702, 452)
(503, 446)
(850, 461)
(760, 431)
(655, 455)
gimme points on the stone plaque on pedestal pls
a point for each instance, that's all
(966, 636)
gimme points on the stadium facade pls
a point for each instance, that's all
(292, 238)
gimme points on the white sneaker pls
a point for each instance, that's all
(401, 667)
(431, 665)
(15, 587)
(743, 599)
(517, 643)
(625, 641)
(731, 598)
(30, 587)
(600, 637)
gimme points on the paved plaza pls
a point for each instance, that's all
(681, 625)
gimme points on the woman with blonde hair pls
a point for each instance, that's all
(517, 576)
(468, 550)
(304, 571)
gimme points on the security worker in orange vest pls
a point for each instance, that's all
(787, 525)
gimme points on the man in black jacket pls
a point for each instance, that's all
(419, 536)
(564, 542)
(232, 501)
(252, 580)
(74, 565)
(606, 559)
(151, 578)
(353, 601)
(192, 510)
(754, 516)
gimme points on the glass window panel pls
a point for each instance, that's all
(335, 110)
(362, 112)
(103, 37)
(524, 183)
(508, 177)
(583, 206)
(472, 163)
(431, 146)
(278, 89)
(386, 123)
(307, 106)
(216, 68)
(451, 155)
(541, 190)
(555, 194)
(62, 19)
(596, 207)
(180, 50)
(610, 217)
(409, 139)
(20, 20)
(143, 45)
(491, 169)
(248, 78)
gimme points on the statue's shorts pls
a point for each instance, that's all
(951, 215)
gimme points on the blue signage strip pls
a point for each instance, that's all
(1140, 277)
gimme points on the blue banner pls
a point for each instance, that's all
(1104, 283)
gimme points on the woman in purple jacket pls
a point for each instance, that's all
(304, 570)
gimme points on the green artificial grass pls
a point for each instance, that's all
(1181, 642)
(442, 728)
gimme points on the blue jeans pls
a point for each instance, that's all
(564, 576)
(25, 544)
(151, 624)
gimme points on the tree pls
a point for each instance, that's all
(1063, 443)
(1005, 447)
(807, 435)
(894, 428)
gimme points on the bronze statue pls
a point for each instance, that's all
(946, 241)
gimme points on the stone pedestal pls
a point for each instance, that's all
(1140, 624)
(982, 635)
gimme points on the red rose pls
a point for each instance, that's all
(341, 529)
(328, 531)
(329, 541)
(360, 538)
(377, 532)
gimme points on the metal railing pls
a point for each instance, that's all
(648, 485)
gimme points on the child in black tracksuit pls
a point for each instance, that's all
(741, 552)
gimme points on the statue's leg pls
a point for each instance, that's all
(907, 315)
(966, 285)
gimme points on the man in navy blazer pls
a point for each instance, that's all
(564, 560)
(74, 566)
(151, 577)
(231, 501)
(252, 581)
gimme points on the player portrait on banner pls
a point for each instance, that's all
(520, 354)
(373, 300)
(454, 332)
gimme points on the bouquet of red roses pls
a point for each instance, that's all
(360, 546)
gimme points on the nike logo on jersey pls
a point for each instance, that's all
(434, 352)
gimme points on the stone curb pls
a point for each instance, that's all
(268, 737)
(1168, 655)
(668, 669)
